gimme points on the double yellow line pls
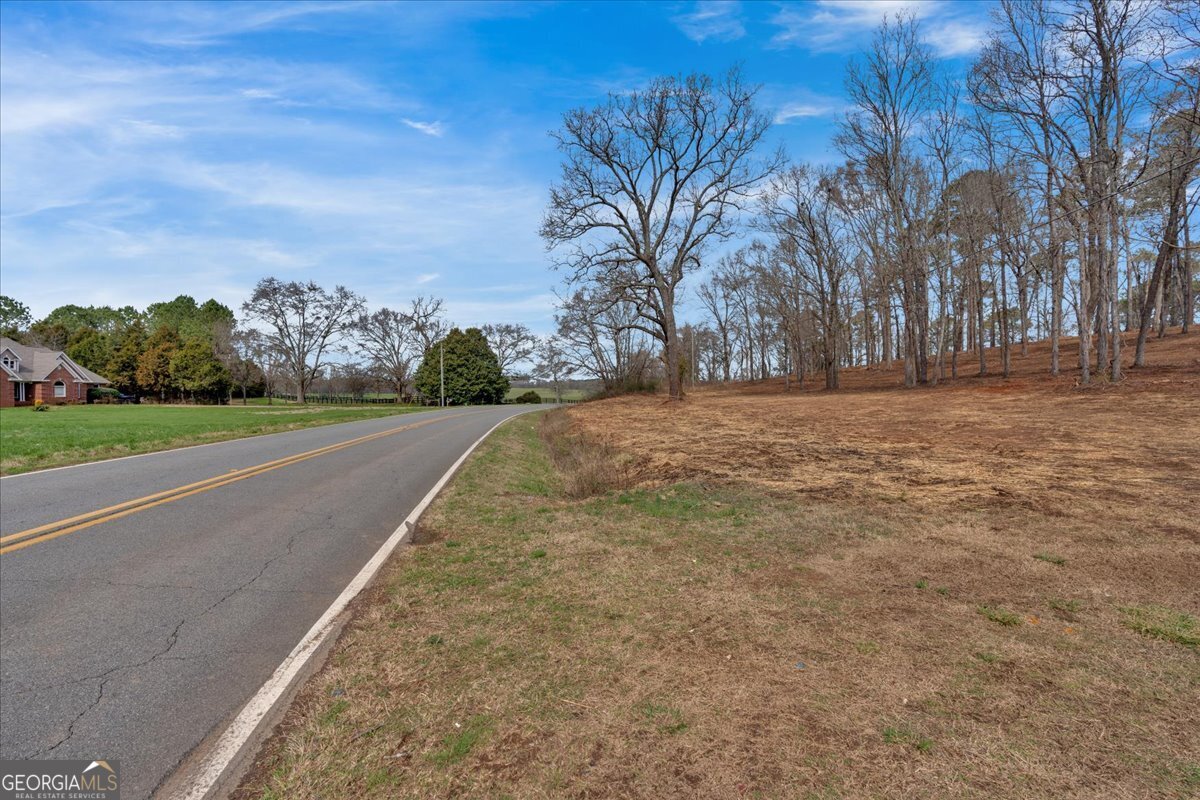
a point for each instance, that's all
(53, 530)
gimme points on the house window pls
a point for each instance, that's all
(10, 362)
(60, 389)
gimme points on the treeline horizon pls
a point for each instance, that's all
(1043, 194)
(291, 338)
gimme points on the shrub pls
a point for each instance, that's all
(529, 397)
(103, 394)
(40, 405)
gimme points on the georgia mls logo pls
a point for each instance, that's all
(60, 780)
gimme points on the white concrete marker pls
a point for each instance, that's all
(229, 746)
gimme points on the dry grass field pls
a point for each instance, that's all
(986, 589)
(1028, 442)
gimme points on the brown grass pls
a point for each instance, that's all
(1032, 441)
(587, 465)
(982, 590)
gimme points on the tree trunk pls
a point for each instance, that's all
(979, 343)
(1166, 245)
(1100, 260)
(885, 328)
(1004, 333)
(1114, 229)
(1188, 300)
(674, 354)
(832, 335)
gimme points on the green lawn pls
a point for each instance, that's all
(548, 394)
(75, 434)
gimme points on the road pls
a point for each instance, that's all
(133, 634)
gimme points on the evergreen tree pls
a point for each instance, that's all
(90, 348)
(473, 375)
(122, 367)
(196, 371)
(14, 317)
(154, 364)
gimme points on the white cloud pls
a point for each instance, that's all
(712, 19)
(951, 29)
(152, 130)
(793, 111)
(186, 24)
(955, 38)
(427, 128)
(129, 181)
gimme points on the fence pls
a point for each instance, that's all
(336, 399)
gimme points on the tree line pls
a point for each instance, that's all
(293, 338)
(1044, 195)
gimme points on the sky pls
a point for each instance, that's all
(400, 149)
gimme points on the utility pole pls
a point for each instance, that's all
(442, 367)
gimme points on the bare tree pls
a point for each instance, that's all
(305, 322)
(428, 321)
(891, 91)
(649, 179)
(511, 343)
(245, 346)
(717, 302)
(551, 364)
(1016, 77)
(599, 337)
(392, 341)
(1102, 83)
(801, 210)
(1178, 156)
(942, 137)
(352, 377)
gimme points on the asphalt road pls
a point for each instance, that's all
(134, 637)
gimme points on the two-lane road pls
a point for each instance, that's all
(142, 601)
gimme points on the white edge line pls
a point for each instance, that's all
(210, 444)
(240, 731)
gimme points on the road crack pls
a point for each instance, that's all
(78, 717)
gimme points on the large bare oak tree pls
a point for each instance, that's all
(649, 179)
(304, 323)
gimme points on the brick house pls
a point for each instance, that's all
(39, 373)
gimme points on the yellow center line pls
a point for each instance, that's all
(53, 530)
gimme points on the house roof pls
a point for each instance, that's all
(36, 364)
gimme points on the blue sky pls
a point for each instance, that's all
(149, 150)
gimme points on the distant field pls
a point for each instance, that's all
(75, 434)
(548, 394)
